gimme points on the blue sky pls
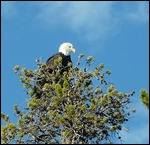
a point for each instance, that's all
(114, 33)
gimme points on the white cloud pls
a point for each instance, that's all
(88, 20)
(139, 12)
(92, 20)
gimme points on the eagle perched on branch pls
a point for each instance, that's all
(64, 52)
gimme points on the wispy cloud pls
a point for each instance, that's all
(138, 126)
(138, 135)
(88, 20)
(138, 12)
(92, 20)
(8, 9)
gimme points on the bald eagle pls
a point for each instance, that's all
(64, 52)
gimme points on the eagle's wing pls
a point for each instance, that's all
(50, 62)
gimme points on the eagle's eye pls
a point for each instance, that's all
(69, 46)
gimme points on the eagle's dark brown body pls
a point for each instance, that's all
(65, 60)
(53, 64)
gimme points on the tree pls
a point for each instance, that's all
(68, 108)
(144, 96)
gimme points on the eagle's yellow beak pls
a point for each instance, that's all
(73, 49)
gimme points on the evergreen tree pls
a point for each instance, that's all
(77, 107)
(144, 96)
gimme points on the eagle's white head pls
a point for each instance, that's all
(66, 48)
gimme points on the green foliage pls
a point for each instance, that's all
(77, 107)
(31, 92)
(80, 56)
(108, 72)
(60, 59)
(101, 66)
(112, 128)
(58, 90)
(33, 103)
(69, 64)
(16, 68)
(89, 58)
(144, 96)
(8, 133)
(4, 117)
(46, 85)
